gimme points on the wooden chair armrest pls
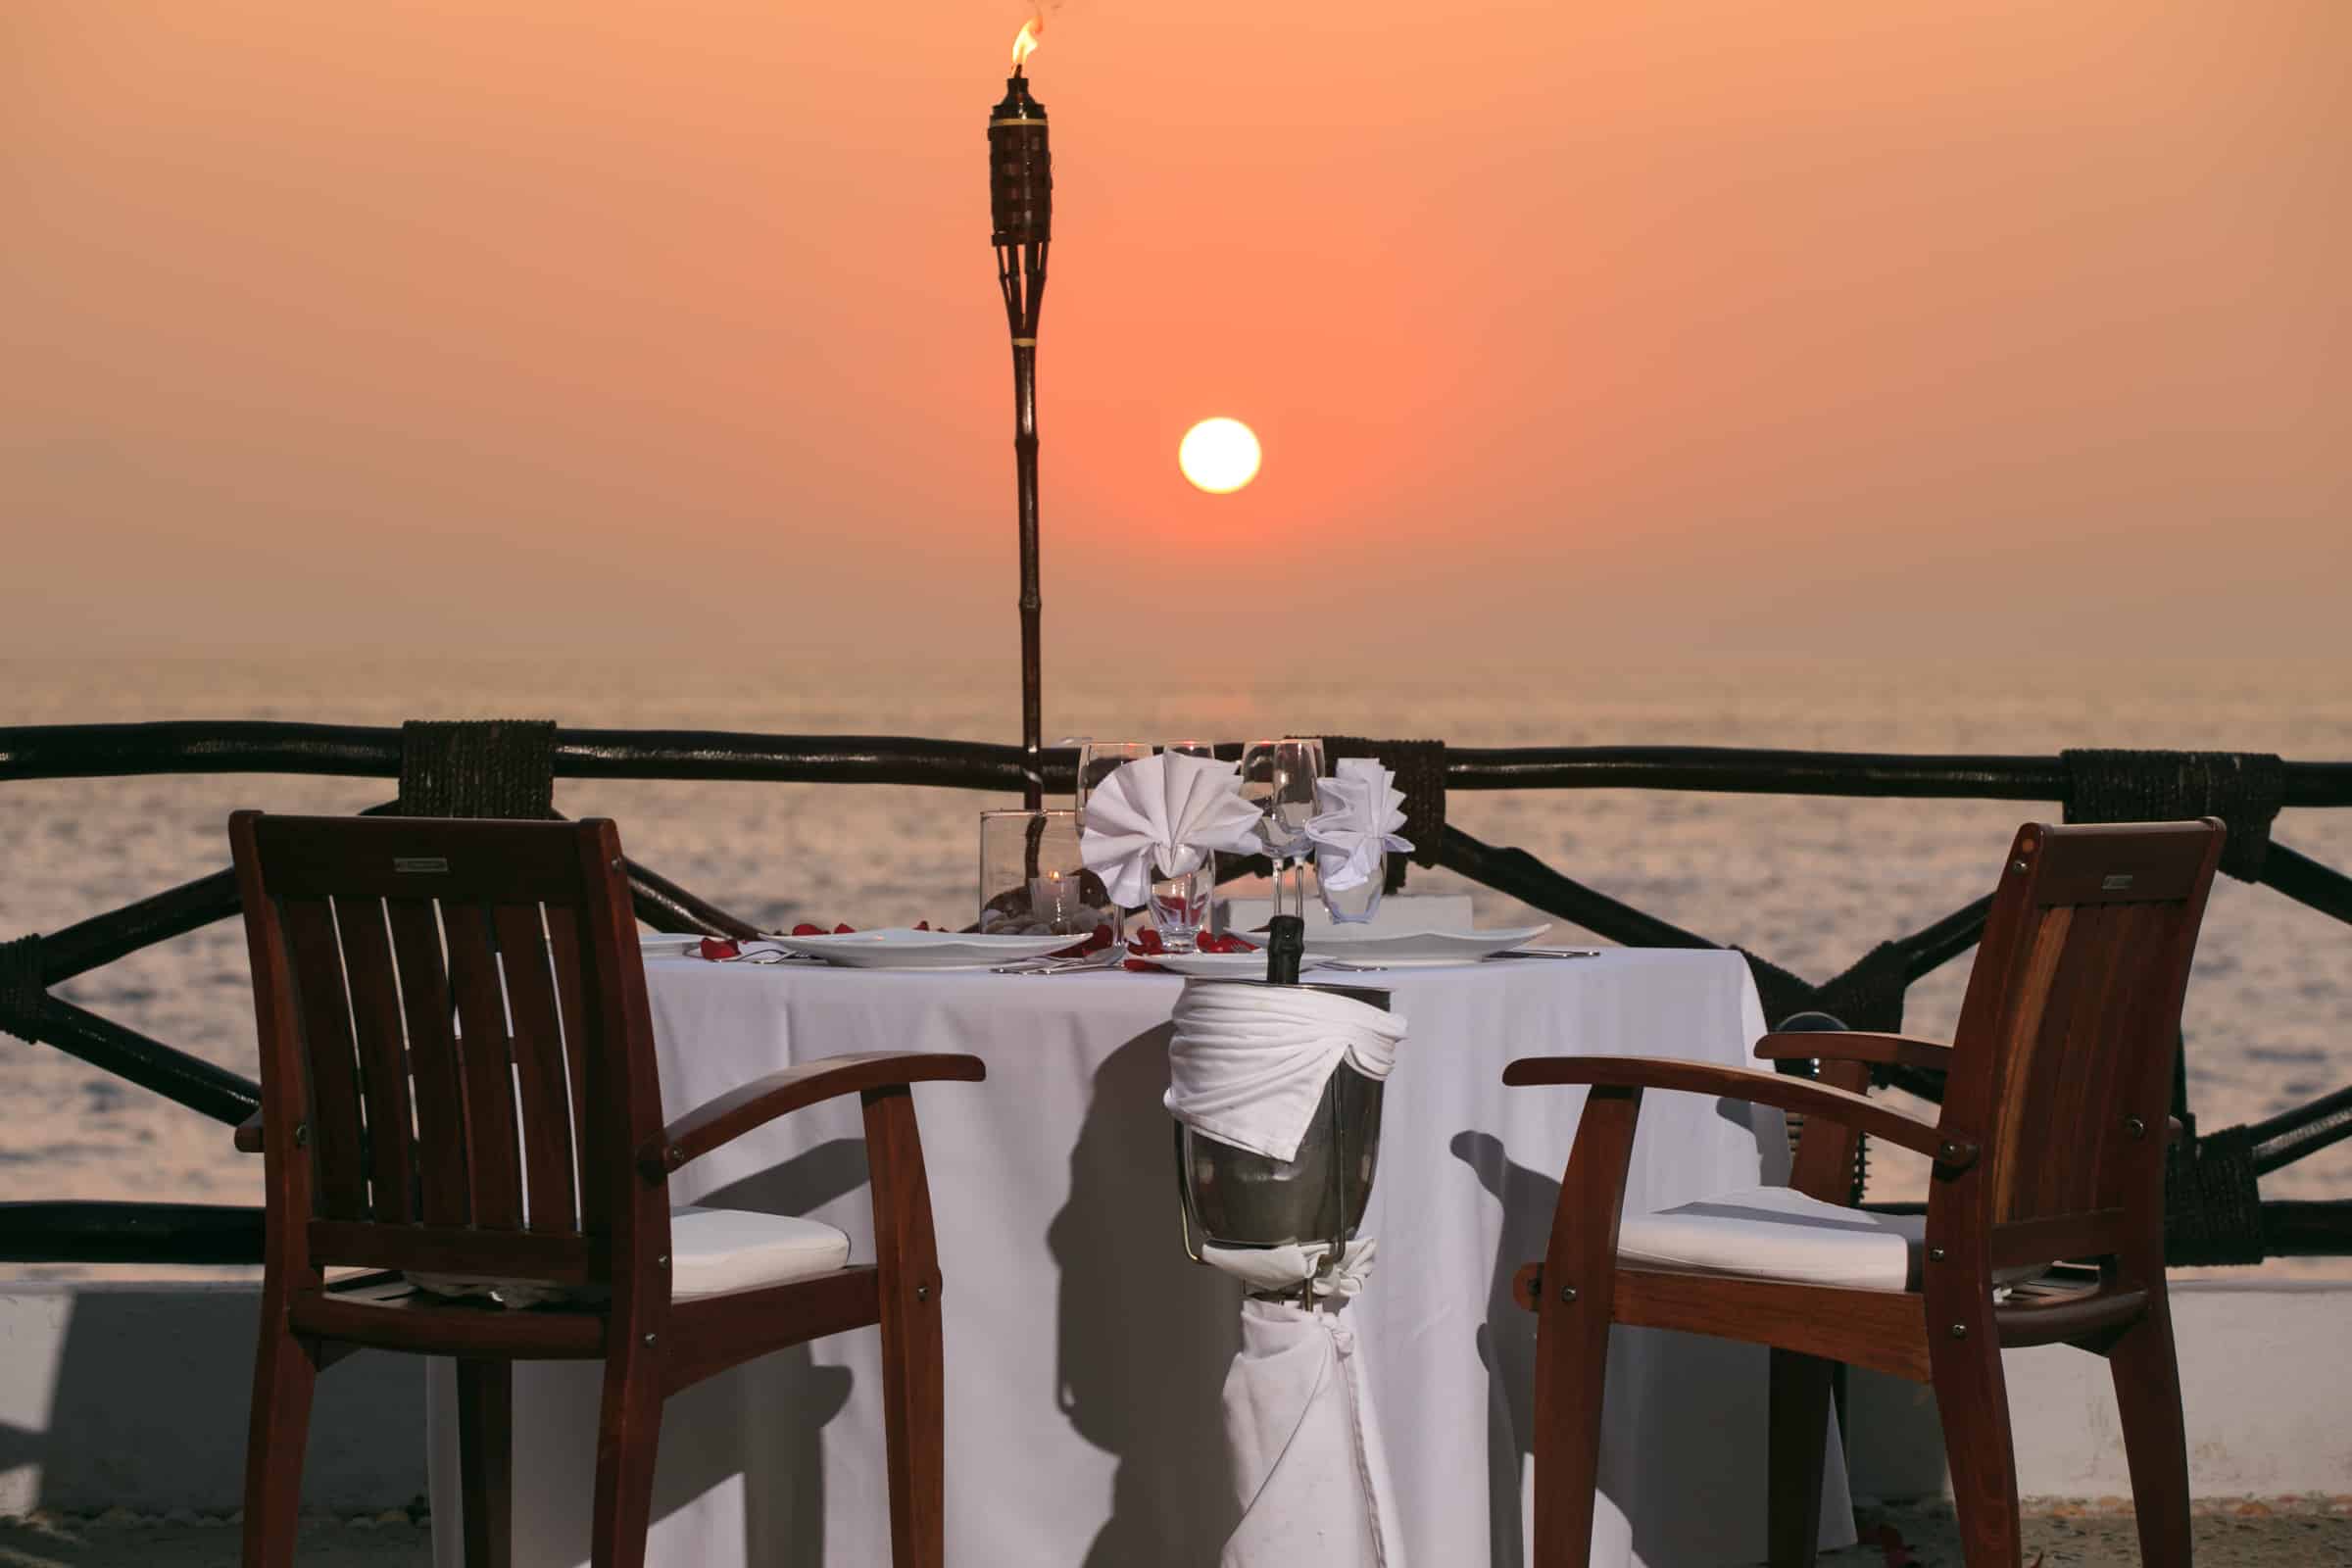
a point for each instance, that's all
(1775, 1089)
(1849, 1044)
(728, 1116)
(248, 1137)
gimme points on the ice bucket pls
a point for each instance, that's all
(1232, 1198)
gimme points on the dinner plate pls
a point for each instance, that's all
(1404, 949)
(668, 944)
(1219, 965)
(899, 949)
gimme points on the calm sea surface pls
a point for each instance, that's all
(1809, 883)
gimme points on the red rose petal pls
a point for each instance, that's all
(716, 949)
(845, 930)
(804, 929)
(922, 925)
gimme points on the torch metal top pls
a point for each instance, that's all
(1021, 168)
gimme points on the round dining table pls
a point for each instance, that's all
(1086, 1352)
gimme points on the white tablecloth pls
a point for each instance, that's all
(1085, 1353)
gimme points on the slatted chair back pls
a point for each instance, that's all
(2062, 1061)
(456, 1051)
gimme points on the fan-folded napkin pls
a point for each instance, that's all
(1248, 1063)
(1167, 811)
(1358, 811)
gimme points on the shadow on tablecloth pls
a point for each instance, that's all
(1144, 1335)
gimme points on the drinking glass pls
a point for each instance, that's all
(1179, 906)
(1207, 749)
(1032, 881)
(1357, 903)
(1099, 759)
(1278, 777)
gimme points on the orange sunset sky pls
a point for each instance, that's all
(1702, 327)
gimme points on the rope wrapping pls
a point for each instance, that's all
(2241, 788)
(2212, 1206)
(500, 768)
(20, 990)
(1868, 996)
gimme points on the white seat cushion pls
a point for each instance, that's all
(1779, 1233)
(714, 1249)
(710, 1250)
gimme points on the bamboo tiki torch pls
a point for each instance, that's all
(1020, 189)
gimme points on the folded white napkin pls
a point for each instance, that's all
(1248, 1063)
(1358, 811)
(1167, 811)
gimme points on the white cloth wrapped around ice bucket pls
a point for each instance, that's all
(1246, 1067)
(1248, 1063)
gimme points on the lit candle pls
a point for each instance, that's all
(1054, 901)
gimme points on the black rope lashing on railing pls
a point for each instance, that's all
(1867, 996)
(2212, 1206)
(22, 991)
(500, 768)
(1420, 769)
(2244, 789)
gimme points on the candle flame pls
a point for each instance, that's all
(1024, 42)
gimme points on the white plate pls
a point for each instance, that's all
(1406, 948)
(1219, 965)
(923, 949)
(668, 944)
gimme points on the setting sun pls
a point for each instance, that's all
(1220, 455)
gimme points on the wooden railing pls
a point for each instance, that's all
(510, 770)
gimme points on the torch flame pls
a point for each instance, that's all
(1024, 43)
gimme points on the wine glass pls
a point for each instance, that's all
(1099, 759)
(1356, 904)
(1278, 777)
(1180, 903)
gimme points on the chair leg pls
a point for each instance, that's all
(486, 1460)
(628, 1437)
(1971, 1399)
(1571, 1370)
(1576, 1292)
(285, 1372)
(1801, 1439)
(913, 1362)
(2147, 1397)
(914, 1420)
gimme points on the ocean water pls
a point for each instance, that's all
(1811, 883)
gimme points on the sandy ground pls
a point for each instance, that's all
(2276, 1535)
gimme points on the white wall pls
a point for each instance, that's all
(137, 1395)
(2266, 1391)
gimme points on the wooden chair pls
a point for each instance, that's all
(458, 1079)
(2050, 1144)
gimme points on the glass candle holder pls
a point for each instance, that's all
(1031, 880)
